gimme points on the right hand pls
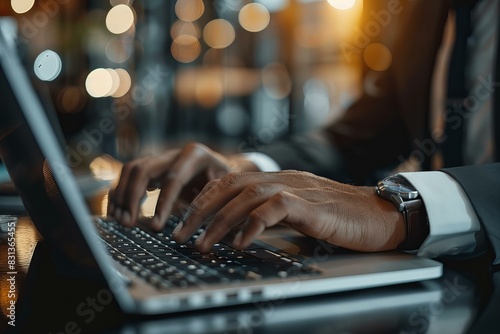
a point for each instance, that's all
(179, 174)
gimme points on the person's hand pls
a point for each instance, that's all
(347, 216)
(178, 173)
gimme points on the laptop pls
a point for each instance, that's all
(9, 198)
(147, 272)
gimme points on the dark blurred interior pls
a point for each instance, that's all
(139, 76)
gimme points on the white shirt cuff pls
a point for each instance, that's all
(452, 220)
(263, 162)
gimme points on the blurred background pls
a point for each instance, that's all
(139, 76)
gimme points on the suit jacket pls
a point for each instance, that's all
(482, 186)
(392, 111)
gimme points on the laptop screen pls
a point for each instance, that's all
(31, 152)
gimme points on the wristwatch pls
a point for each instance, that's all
(407, 200)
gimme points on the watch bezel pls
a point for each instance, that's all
(396, 185)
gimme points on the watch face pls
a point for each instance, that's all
(399, 186)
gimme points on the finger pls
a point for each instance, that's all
(110, 207)
(117, 195)
(235, 212)
(283, 206)
(190, 162)
(138, 181)
(136, 177)
(213, 198)
(210, 201)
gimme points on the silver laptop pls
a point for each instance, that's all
(148, 273)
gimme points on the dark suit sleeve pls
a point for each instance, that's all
(379, 129)
(482, 186)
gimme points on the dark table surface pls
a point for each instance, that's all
(464, 300)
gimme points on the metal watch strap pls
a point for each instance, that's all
(417, 224)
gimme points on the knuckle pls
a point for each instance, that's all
(253, 191)
(195, 148)
(197, 206)
(211, 184)
(281, 198)
(257, 219)
(230, 180)
(219, 217)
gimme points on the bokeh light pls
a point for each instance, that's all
(115, 84)
(120, 19)
(219, 34)
(186, 48)
(119, 50)
(125, 83)
(185, 28)
(21, 6)
(231, 118)
(316, 101)
(276, 80)
(71, 99)
(377, 57)
(342, 4)
(209, 90)
(274, 5)
(189, 10)
(99, 82)
(254, 17)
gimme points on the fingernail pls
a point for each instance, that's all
(126, 218)
(118, 214)
(200, 238)
(237, 238)
(178, 228)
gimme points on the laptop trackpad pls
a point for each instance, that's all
(286, 240)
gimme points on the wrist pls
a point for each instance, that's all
(394, 222)
(407, 201)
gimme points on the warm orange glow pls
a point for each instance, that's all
(209, 90)
(189, 10)
(106, 168)
(186, 48)
(219, 34)
(254, 17)
(377, 57)
(190, 84)
(71, 99)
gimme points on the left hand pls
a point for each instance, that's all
(348, 216)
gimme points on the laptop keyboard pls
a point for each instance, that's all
(166, 264)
